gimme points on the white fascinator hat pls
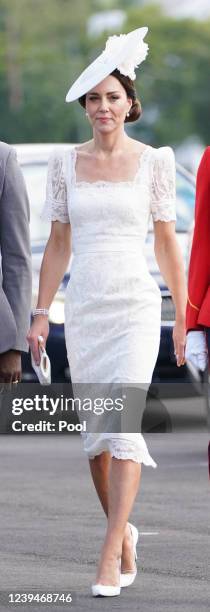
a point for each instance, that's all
(124, 52)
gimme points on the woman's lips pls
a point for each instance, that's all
(103, 119)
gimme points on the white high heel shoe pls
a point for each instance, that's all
(104, 590)
(127, 578)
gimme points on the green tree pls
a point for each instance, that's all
(173, 82)
(43, 47)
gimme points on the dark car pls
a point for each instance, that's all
(33, 160)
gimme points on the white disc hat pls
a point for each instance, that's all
(124, 52)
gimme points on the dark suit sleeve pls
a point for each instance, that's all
(15, 248)
(199, 268)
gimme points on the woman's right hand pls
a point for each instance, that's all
(39, 327)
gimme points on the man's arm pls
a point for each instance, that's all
(15, 249)
(199, 268)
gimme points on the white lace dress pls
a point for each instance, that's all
(113, 304)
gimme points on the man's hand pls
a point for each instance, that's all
(10, 366)
(196, 349)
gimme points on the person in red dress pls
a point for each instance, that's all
(198, 304)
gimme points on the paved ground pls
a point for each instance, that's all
(52, 525)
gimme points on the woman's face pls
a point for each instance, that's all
(107, 105)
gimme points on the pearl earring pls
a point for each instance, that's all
(128, 114)
(86, 114)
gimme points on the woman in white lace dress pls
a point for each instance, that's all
(100, 196)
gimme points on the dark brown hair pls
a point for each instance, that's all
(135, 110)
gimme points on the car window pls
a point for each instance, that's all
(185, 203)
(35, 175)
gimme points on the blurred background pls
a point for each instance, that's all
(45, 46)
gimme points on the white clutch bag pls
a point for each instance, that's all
(43, 370)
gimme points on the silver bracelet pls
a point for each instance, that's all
(40, 311)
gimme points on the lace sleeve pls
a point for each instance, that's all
(163, 191)
(56, 203)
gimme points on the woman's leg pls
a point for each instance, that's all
(123, 484)
(100, 467)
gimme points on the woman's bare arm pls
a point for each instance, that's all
(170, 262)
(55, 261)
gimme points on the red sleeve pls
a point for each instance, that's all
(199, 268)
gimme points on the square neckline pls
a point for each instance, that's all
(102, 182)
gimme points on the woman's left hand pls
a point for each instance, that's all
(179, 339)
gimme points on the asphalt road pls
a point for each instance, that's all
(52, 525)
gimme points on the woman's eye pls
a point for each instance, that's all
(112, 97)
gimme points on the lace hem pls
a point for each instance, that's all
(138, 457)
(119, 448)
(53, 212)
(164, 211)
(103, 184)
(127, 450)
